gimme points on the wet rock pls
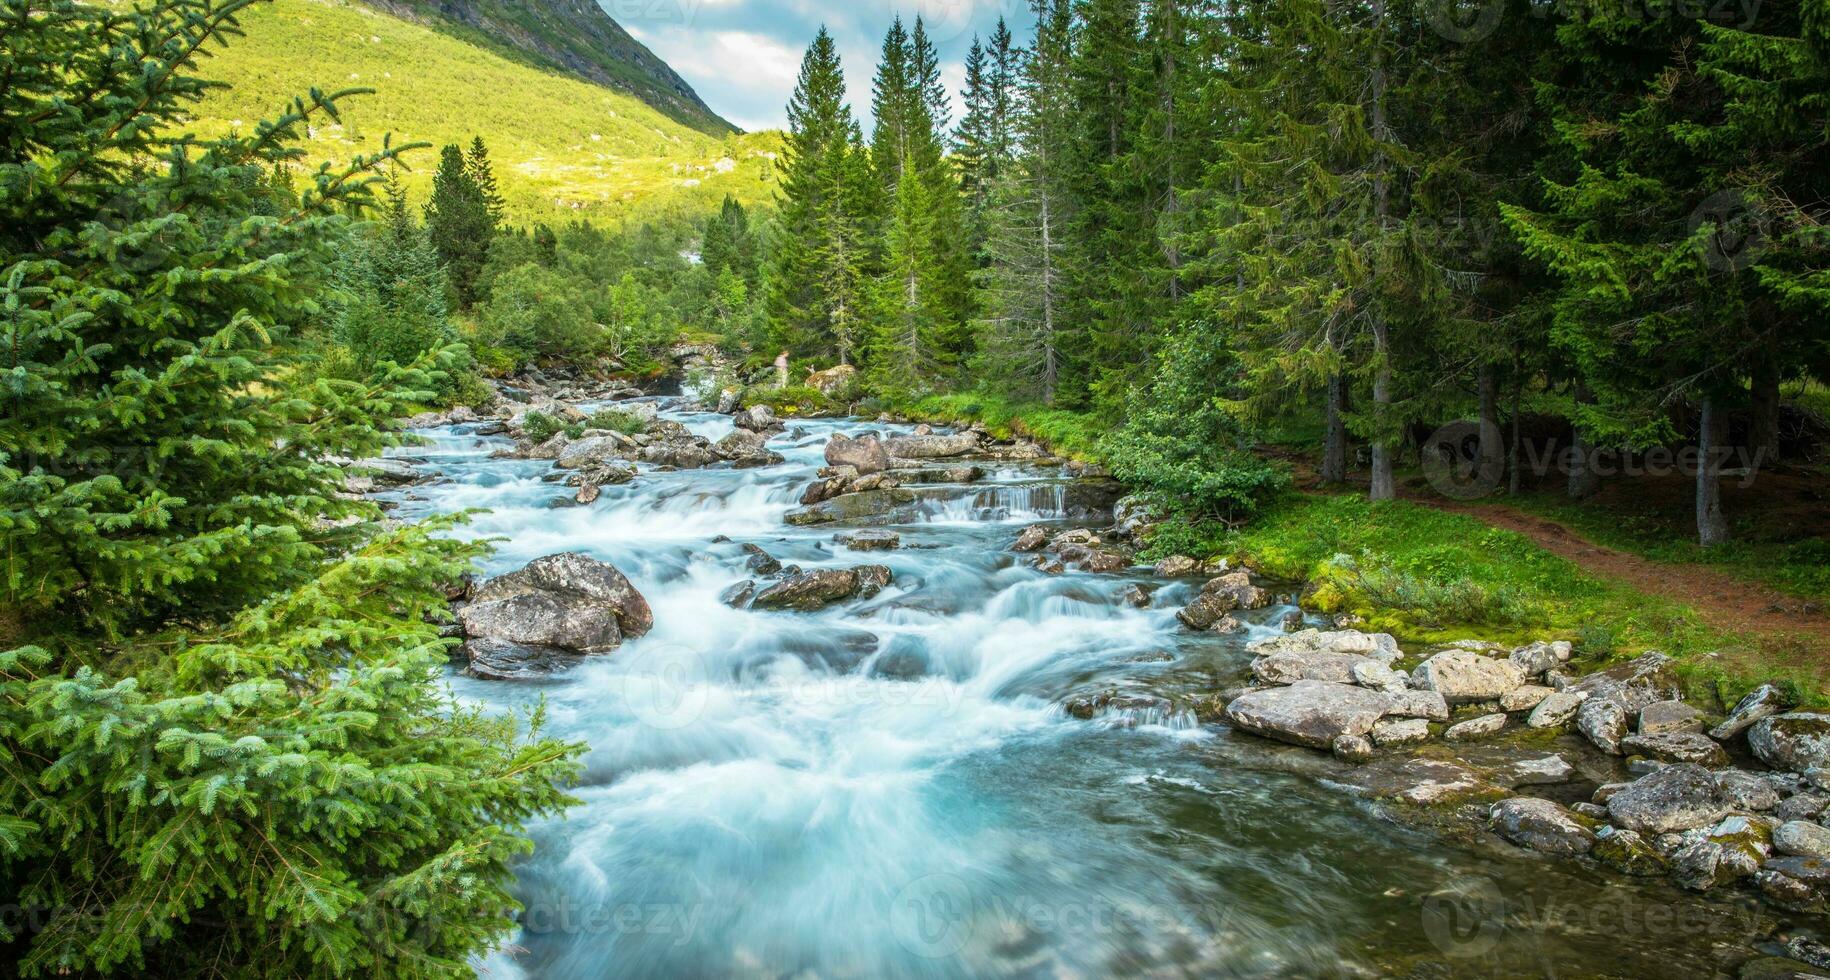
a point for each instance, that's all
(1368, 672)
(1676, 747)
(1539, 657)
(1812, 871)
(1746, 791)
(569, 601)
(1546, 770)
(380, 471)
(1400, 731)
(1091, 498)
(758, 418)
(728, 401)
(1464, 678)
(1628, 852)
(1032, 538)
(1556, 710)
(1136, 596)
(1663, 717)
(1288, 668)
(1378, 646)
(740, 443)
(1292, 621)
(1807, 950)
(1205, 611)
(1524, 698)
(1633, 685)
(932, 446)
(1795, 741)
(1764, 701)
(1787, 892)
(738, 596)
(1678, 797)
(1602, 722)
(1418, 704)
(812, 590)
(865, 454)
(1094, 559)
(760, 561)
(1701, 866)
(1310, 713)
(1238, 587)
(871, 505)
(1475, 728)
(1541, 825)
(870, 540)
(1352, 748)
(1129, 707)
(1176, 566)
(495, 659)
(1423, 782)
(1802, 838)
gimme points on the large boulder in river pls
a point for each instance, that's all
(1308, 665)
(872, 506)
(1795, 741)
(492, 659)
(1676, 798)
(1464, 677)
(758, 418)
(864, 454)
(932, 446)
(1309, 713)
(568, 600)
(812, 590)
(1541, 825)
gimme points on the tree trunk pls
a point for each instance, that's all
(1334, 440)
(1583, 482)
(1712, 442)
(1763, 430)
(1492, 450)
(1512, 450)
(1383, 486)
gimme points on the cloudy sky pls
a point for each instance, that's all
(742, 55)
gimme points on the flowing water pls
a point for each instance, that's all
(889, 787)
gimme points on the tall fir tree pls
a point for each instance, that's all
(476, 163)
(459, 223)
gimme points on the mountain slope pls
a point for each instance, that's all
(576, 36)
(562, 146)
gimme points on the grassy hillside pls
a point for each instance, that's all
(576, 36)
(563, 147)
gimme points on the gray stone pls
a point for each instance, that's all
(1379, 646)
(1419, 704)
(1176, 566)
(1371, 673)
(872, 540)
(1677, 747)
(1238, 587)
(1746, 791)
(1802, 838)
(1032, 538)
(1524, 698)
(1548, 770)
(1352, 748)
(1678, 797)
(738, 596)
(865, 454)
(1628, 852)
(1764, 701)
(812, 590)
(1788, 892)
(1662, 717)
(1288, 668)
(1475, 728)
(1541, 825)
(494, 659)
(1311, 713)
(1795, 741)
(1603, 722)
(1634, 684)
(1556, 710)
(932, 446)
(1205, 611)
(1462, 677)
(1539, 657)
(1400, 731)
(1804, 806)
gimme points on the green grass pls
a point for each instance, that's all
(1066, 433)
(563, 148)
(1429, 576)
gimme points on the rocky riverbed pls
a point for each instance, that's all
(867, 697)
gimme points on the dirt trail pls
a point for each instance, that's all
(1728, 603)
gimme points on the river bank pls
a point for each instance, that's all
(1007, 745)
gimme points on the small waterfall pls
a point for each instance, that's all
(997, 504)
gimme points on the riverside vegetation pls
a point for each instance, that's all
(1158, 239)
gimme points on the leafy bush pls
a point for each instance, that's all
(793, 400)
(628, 423)
(539, 426)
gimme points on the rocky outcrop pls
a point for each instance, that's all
(1795, 741)
(865, 454)
(815, 589)
(565, 603)
(1462, 677)
(1633, 685)
(932, 446)
(1541, 825)
(1310, 713)
(880, 506)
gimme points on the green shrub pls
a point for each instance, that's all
(628, 423)
(539, 426)
(794, 400)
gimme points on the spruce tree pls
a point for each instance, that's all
(910, 338)
(476, 163)
(459, 222)
(226, 743)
